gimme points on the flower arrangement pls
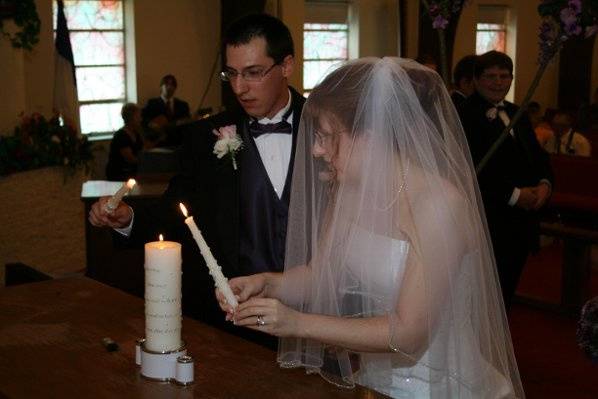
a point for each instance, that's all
(440, 12)
(39, 142)
(564, 19)
(561, 20)
(228, 143)
(587, 329)
(24, 15)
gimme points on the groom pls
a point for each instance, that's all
(241, 212)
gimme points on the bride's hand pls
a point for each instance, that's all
(267, 315)
(244, 288)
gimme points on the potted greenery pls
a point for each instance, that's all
(42, 166)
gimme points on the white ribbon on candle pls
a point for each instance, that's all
(215, 270)
(113, 202)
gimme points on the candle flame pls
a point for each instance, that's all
(131, 183)
(183, 209)
(161, 237)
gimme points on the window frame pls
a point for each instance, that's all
(503, 29)
(100, 135)
(306, 91)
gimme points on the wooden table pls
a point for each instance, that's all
(50, 339)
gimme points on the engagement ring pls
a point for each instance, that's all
(260, 321)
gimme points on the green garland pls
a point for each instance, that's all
(24, 14)
(38, 142)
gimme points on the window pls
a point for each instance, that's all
(98, 40)
(325, 40)
(490, 37)
(491, 29)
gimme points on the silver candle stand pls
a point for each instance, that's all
(169, 366)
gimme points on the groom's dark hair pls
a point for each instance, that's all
(279, 42)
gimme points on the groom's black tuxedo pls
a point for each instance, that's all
(519, 162)
(241, 217)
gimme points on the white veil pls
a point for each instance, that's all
(395, 228)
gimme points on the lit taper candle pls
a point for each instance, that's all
(220, 281)
(113, 202)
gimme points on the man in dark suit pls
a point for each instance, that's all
(162, 115)
(516, 182)
(241, 212)
(463, 80)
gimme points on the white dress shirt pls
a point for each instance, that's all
(275, 150)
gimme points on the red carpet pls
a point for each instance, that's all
(550, 362)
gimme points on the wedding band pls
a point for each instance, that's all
(260, 320)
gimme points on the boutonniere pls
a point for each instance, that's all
(492, 113)
(229, 143)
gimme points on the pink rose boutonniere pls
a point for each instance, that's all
(492, 113)
(229, 143)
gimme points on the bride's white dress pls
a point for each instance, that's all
(468, 374)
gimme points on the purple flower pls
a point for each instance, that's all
(572, 30)
(549, 32)
(440, 22)
(575, 5)
(568, 16)
(434, 8)
(570, 22)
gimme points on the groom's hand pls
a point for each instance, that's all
(119, 218)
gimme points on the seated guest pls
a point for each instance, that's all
(534, 111)
(463, 80)
(125, 145)
(565, 140)
(539, 123)
(162, 115)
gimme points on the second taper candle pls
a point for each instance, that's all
(220, 280)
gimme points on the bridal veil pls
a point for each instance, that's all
(395, 210)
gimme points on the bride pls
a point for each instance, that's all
(389, 280)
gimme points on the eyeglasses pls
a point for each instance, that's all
(496, 76)
(251, 74)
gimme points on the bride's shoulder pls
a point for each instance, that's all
(432, 189)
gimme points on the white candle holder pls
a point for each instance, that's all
(170, 366)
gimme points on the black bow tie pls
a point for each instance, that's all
(283, 127)
(257, 129)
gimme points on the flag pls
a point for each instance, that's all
(66, 102)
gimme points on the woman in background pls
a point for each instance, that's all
(125, 145)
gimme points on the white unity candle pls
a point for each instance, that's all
(220, 281)
(113, 202)
(162, 296)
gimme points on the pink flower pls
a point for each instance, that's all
(228, 143)
(226, 132)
